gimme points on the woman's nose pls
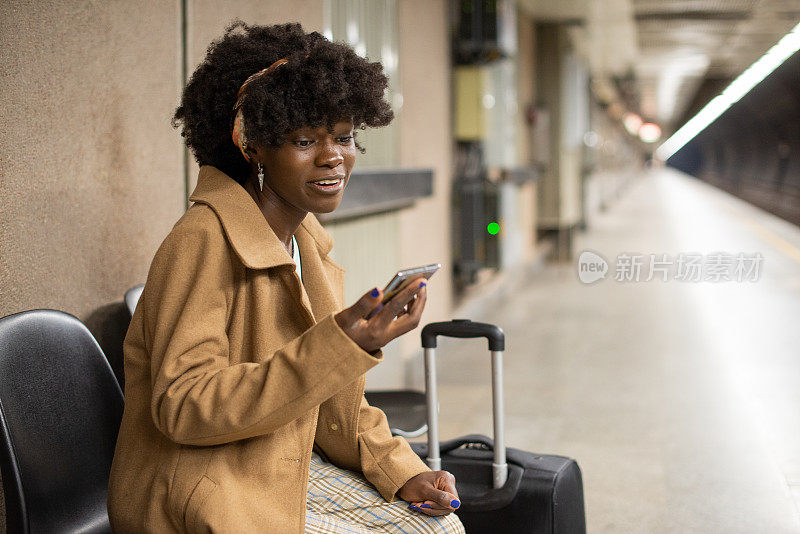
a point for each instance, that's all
(330, 155)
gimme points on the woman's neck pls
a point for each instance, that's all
(282, 218)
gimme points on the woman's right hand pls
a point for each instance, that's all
(392, 321)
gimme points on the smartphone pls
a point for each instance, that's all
(402, 279)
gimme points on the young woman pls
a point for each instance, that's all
(244, 405)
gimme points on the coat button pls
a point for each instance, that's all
(334, 426)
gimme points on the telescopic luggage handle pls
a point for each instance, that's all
(464, 328)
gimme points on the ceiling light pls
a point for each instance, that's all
(649, 132)
(632, 122)
(742, 85)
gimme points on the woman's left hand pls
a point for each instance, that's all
(431, 492)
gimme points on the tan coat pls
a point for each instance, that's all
(234, 371)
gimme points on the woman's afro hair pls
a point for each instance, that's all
(332, 83)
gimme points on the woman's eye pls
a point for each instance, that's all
(303, 142)
(345, 139)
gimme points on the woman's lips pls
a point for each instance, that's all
(328, 186)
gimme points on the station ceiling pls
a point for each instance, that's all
(668, 57)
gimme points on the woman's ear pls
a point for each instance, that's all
(251, 152)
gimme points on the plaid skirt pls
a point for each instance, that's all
(341, 501)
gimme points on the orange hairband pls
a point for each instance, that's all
(237, 133)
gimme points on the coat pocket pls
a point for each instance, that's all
(198, 497)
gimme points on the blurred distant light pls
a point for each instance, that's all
(632, 122)
(775, 56)
(493, 228)
(352, 32)
(591, 139)
(488, 101)
(649, 132)
(388, 58)
(397, 100)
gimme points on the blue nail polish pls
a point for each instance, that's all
(455, 503)
(425, 506)
(422, 284)
(414, 507)
(374, 292)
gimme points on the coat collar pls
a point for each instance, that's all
(248, 231)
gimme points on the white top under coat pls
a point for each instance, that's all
(296, 258)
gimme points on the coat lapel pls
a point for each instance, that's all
(247, 230)
(323, 280)
(257, 246)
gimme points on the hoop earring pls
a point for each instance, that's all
(261, 177)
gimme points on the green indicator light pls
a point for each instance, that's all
(493, 228)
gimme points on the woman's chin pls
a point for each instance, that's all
(327, 207)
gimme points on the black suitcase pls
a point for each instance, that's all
(501, 491)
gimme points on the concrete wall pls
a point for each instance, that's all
(90, 168)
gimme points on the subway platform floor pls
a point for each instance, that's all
(680, 399)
